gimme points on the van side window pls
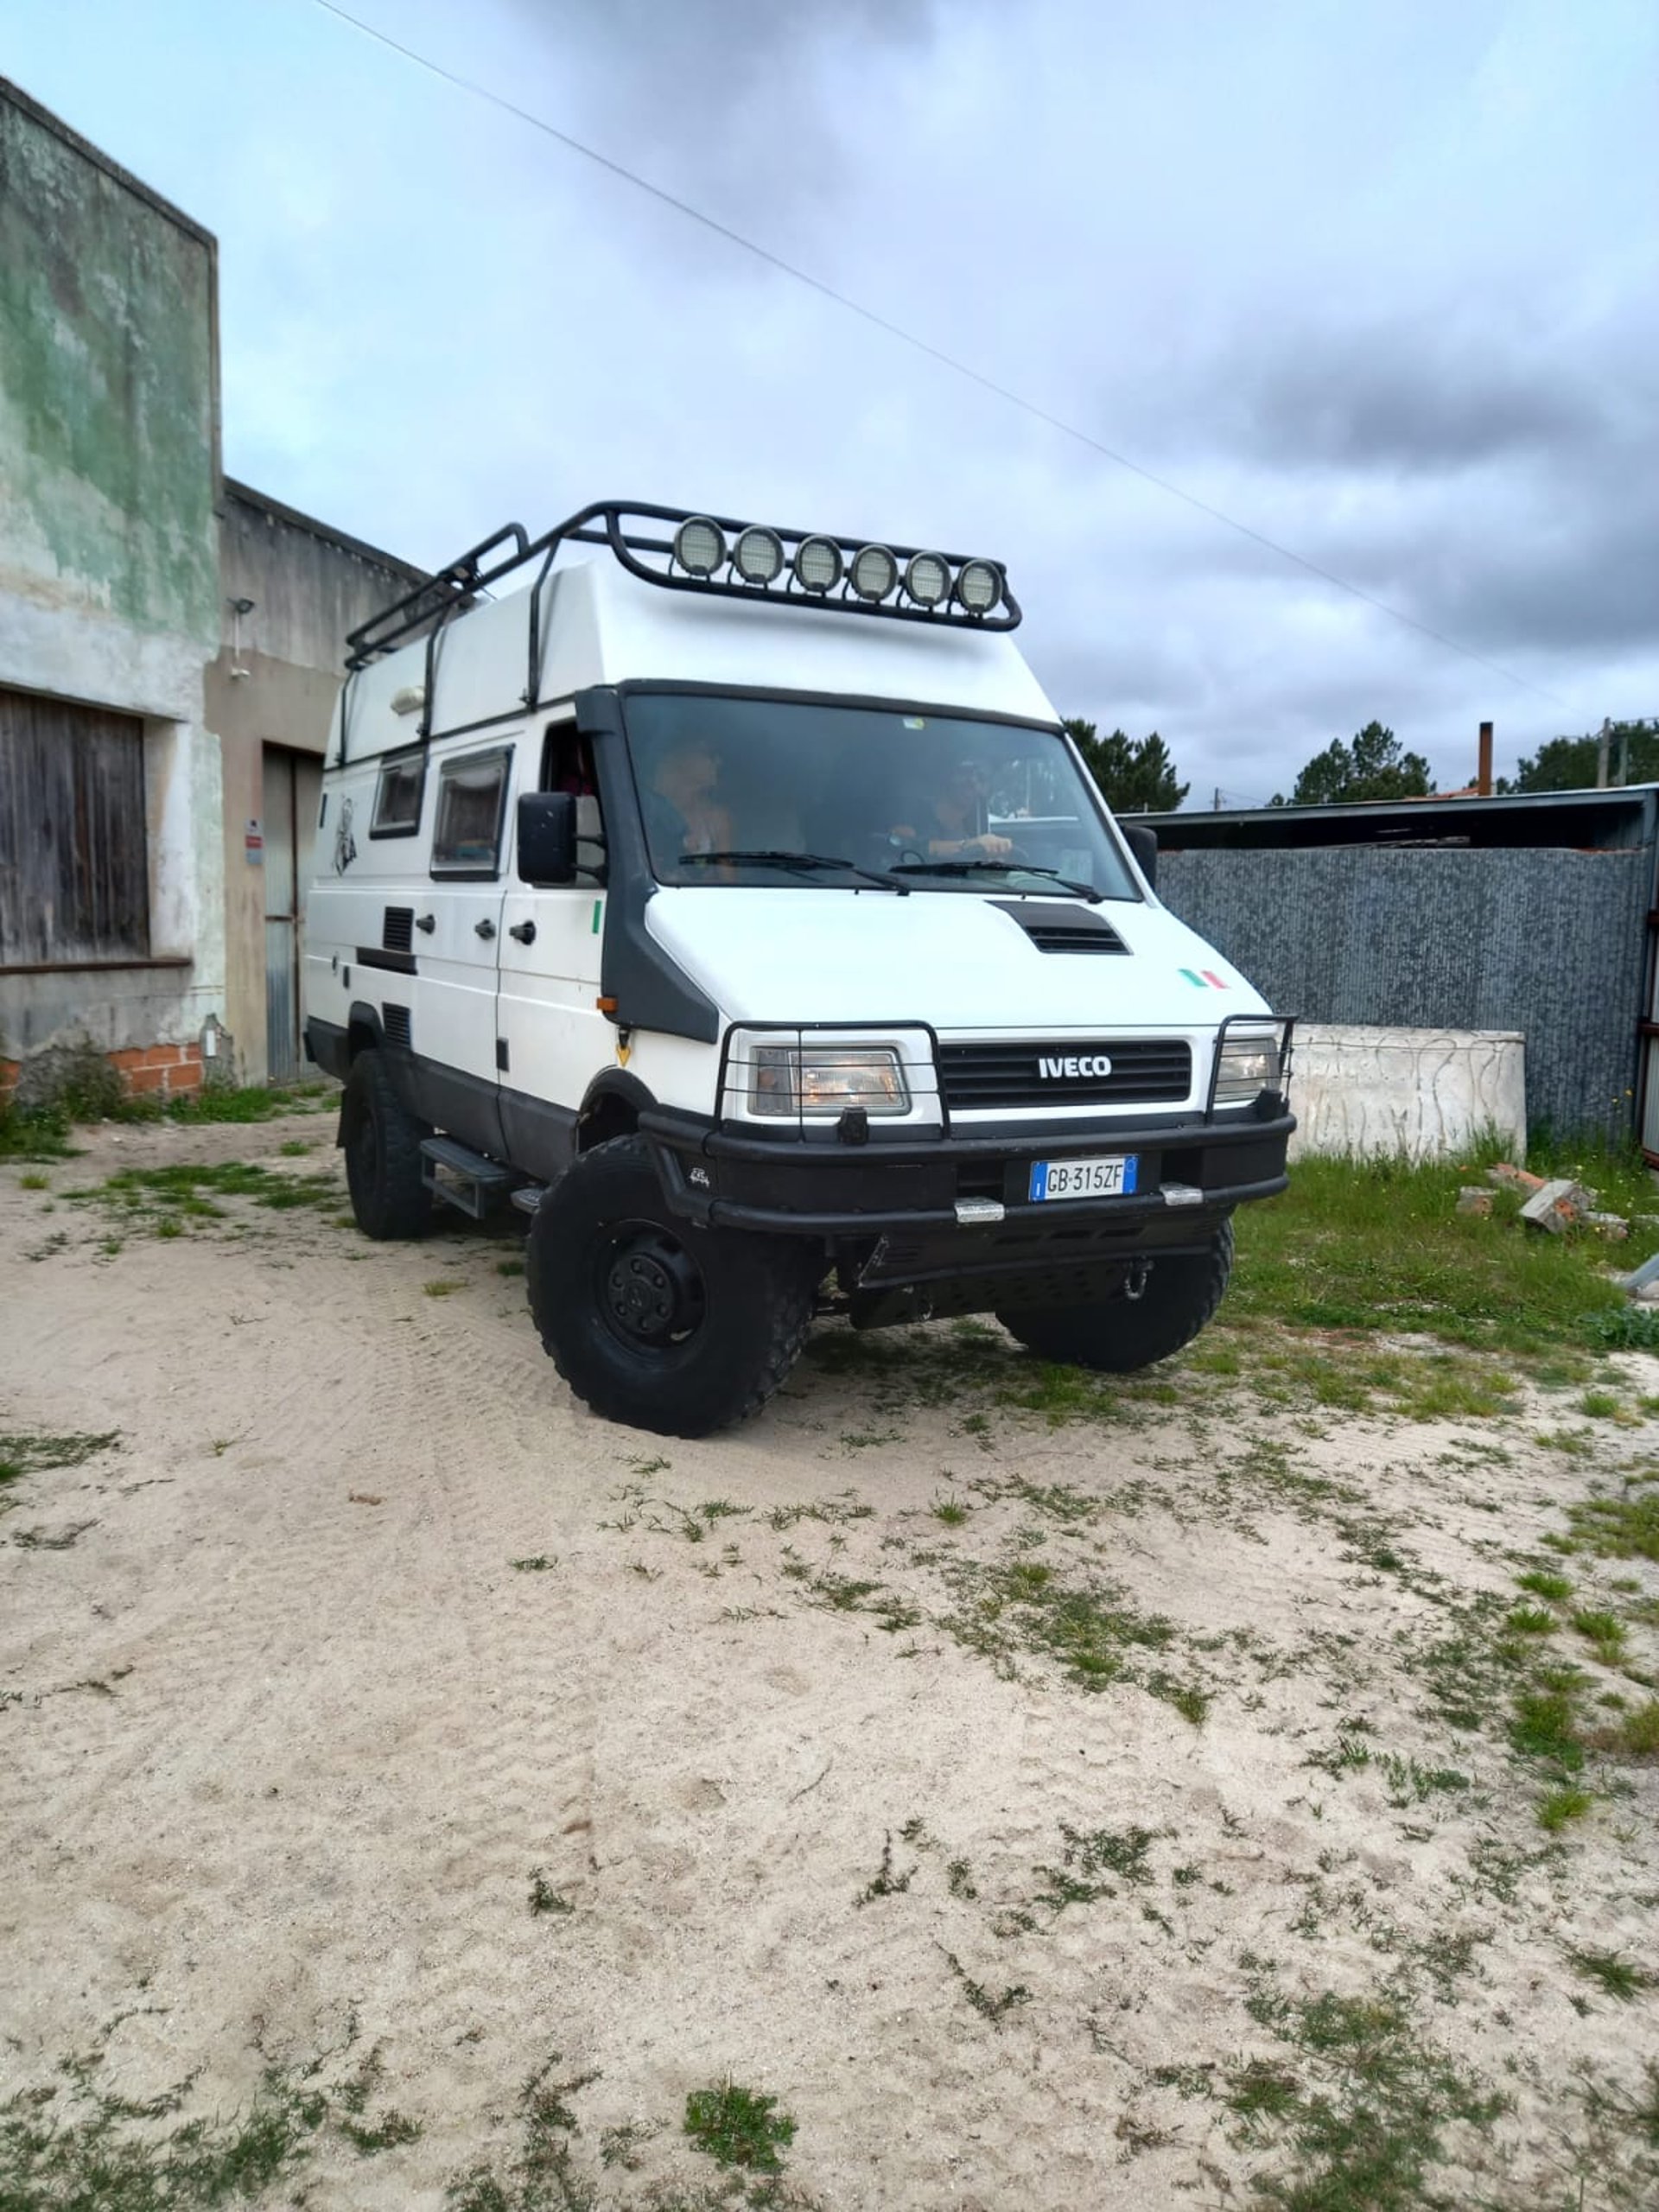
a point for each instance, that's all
(397, 797)
(568, 766)
(466, 837)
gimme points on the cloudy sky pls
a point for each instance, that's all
(1375, 278)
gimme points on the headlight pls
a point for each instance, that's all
(791, 1079)
(1249, 1062)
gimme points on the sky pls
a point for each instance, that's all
(1374, 279)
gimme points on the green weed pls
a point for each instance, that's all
(1616, 1975)
(739, 2128)
(1566, 1802)
(1542, 1583)
(544, 1899)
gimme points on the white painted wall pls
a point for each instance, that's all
(1427, 1093)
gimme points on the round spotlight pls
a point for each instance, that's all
(699, 547)
(758, 556)
(927, 579)
(874, 572)
(817, 564)
(979, 587)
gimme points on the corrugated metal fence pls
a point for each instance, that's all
(1548, 941)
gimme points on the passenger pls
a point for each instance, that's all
(956, 828)
(682, 813)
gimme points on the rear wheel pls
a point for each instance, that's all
(655, 1321)
(1119, 1335)
(382, 1154)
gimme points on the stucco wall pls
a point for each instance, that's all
(309, 587)
(1549, 943)
(109, 592)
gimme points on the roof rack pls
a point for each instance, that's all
(714, 554)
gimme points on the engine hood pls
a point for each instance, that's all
(953, 959)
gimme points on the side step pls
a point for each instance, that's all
(461, 1176)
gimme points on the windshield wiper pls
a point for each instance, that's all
(807, 863)
(1002, 867)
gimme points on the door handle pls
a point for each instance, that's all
(484, 929)
(426, 923)
(524, 931)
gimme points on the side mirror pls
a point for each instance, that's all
(547, 837)
(1143, 843)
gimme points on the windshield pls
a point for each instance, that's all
(791, 791)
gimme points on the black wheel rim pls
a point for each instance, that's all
(649, 1288)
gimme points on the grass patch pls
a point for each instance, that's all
(24, 1454)
(1376, 1245)
(73, 2145)
(1604, 1631)
(1616, 1975)
(1364, 2114)
(443, 1286)
(1542, 1582)
(1626, 1527)
(1560, 1806)
(163, 1200)
(737, 2126)
(1638, 1733)
(1090, 1628)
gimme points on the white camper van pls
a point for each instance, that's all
(731, 900)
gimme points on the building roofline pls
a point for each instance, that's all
(19, 98)
(1408, 810)
(246, 495)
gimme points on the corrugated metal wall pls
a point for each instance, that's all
(1549, 942)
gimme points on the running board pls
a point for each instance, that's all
(462, 1178)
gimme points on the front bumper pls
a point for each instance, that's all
(914, 1211)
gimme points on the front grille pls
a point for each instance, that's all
(1146, 1072)
(399, 933)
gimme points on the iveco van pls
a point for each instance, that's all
(731, 899)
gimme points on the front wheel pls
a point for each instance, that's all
(1118, 1335)
(655, 1321)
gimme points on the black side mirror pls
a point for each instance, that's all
(547, 837)
(1143, 843)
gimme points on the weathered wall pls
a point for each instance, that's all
(1427, 1093)
(1549, 943)
(107, 388)
(309, 587)
(109, 469)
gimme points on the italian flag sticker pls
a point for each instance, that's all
(1204, 979)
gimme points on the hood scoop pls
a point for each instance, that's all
(1061, 929)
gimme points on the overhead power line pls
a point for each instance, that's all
(951, 361)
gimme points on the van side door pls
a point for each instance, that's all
(457, 945)
(554, 1038)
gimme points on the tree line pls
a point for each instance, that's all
(1138, 776)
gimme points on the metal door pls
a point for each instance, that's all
(281, 859)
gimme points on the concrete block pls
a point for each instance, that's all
(1559, 1207)
(1471, 1199)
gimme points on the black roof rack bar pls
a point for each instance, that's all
(603, 524)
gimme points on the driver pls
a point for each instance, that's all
(955, 827)
(682, 811)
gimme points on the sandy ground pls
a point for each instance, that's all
(287, 1737)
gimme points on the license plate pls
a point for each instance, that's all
(1111, 1177)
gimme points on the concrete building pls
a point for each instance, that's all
(169, 646)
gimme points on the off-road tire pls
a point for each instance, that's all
(382, 1141)
(1120, 1335)
(755, 1301)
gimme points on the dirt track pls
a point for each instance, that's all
(286, 1737)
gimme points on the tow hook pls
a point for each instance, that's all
(1134, 1285)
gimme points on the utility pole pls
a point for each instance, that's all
(1603, 749)
(1484, 771)
(1624, 757)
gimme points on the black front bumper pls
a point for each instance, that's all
(889, 1209)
